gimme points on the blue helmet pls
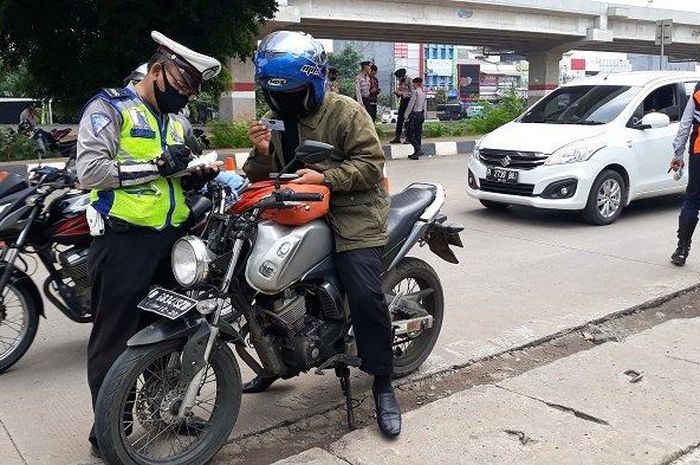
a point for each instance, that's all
(291, 69)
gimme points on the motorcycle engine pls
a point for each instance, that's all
(306, 336)
(75, 285)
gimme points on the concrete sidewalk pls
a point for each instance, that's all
(581, 409)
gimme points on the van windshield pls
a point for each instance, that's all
(590, 105)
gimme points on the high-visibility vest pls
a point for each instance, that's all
(143, 137)
(695, 137)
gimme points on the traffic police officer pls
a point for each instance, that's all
(129, 151)
(688, 219)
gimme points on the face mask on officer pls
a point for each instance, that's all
(170, 100)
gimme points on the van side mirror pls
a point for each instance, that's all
(653, 121)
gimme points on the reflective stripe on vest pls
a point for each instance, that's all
(155, 204)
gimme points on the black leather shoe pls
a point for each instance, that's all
(258, 384)
(95, 451)
(414, 157)
(388, 413)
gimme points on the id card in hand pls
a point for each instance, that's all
(273, 124)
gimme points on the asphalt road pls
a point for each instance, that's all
(523, 274)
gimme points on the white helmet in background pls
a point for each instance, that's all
(136, 75)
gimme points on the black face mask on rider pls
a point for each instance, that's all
(170, 100)
(295, 104)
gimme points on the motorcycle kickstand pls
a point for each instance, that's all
(343, 374)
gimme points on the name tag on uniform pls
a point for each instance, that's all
(143, 132)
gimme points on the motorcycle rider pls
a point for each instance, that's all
(291, 70)
(129, 150)
(688, 218)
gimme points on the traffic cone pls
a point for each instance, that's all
(230, 164)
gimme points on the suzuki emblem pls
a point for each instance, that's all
(505, 161)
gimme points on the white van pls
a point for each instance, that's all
(592, 145)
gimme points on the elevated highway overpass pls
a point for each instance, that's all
(542, 30)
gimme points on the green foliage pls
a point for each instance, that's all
(261, 106)
(17, 147)
(510, 107)
(15, 80)
(440, 97)
(228, 134)
(347, 62)
(435, 129)
(381, 132)
(72, 49)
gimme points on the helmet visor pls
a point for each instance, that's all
(297, 44)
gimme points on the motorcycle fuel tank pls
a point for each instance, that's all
(283, 254)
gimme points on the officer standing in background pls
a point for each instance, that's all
(359, 206)
(374, 92)
(129, 149)
(362, 85)
(403, 91)
(688, 218)
(415, 115)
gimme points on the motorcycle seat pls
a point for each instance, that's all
(405, 209)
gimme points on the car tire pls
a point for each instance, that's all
(491, 205)
(606, 200)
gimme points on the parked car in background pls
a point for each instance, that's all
(390, 116)
(593, 145)
(449, 111)
(474, 110)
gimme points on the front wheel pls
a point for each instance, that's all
(606, 199)
(414, 279)
(19, 321)
(137, 420)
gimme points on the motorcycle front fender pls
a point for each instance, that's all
(22, 280)
(166, 330)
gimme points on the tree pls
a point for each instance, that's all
(74, 48)
(347, 62)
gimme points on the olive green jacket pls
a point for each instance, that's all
(359, 204)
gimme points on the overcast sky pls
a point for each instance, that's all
(687, 5)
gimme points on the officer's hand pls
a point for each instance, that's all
(677, 164)
(260, 137)
(308, 176)
(173, 160)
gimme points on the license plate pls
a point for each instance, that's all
(499, 175)
(167, 303)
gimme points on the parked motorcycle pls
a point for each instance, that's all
(174, 395)
(44, 217)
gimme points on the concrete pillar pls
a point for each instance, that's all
(239, 102)
(543, 74)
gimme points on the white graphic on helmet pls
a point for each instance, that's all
(276, 82)
(311, 70)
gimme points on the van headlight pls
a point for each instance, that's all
(191, 259)
(573, 153)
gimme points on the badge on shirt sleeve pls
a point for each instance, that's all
(99, 121)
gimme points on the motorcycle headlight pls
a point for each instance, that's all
(573, 153)
(191, 259)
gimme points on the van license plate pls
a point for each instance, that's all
(499, 175)
(167, 303)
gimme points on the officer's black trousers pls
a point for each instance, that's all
(360, 275)
(401, 118)
(691, 204)
(416, 134)
(122, 266)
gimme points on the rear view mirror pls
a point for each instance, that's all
(654, 121)
(311, 152)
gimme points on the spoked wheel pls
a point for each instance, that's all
(414, 279)
(19, 321)
(137, 419)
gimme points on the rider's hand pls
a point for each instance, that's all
(308, 176)
(173, 160)
(677, 164)
(260, 137)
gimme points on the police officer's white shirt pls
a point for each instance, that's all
(686, 125)
(418, 103)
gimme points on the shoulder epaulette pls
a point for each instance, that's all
(116, 93)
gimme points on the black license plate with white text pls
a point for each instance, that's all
(501, 175)
(167, 303)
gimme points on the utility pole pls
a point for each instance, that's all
(664, 37)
